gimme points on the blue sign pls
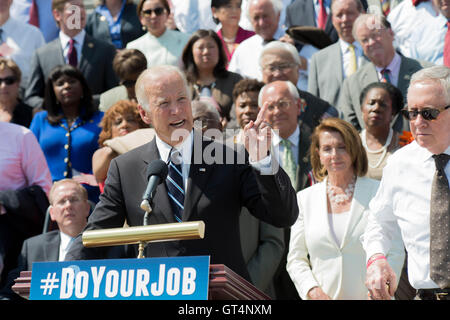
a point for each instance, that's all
(176, 278)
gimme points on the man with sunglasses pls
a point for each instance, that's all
(414, 196)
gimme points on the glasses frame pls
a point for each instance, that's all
(158, 12)
(427, 113)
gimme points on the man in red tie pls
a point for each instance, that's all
(444, 8)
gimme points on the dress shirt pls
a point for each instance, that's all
(64, 245)
(404, 199)
(419, 31)
(79, 39)
(394, 68)
(278, 148)
(191, 15)
(346, 55)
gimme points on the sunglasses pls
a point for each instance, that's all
(8, 80)
(158, 11)
(427, 114)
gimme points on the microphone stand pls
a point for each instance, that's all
(145, 205)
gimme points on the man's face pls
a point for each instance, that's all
(444, 7)
(283, 109)
(344, 13)
(170, 110)
(246, 107)
(72, 19)
(263, 18)
(69, 208)
(433, 135)
(279, 65)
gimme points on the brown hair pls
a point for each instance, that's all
(10, 64)
(141, 4)
(121, 107)
(128, 62)
(353, 146)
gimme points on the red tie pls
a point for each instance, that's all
(447, 46)
(416, 2)
(34, 14)
(322, 18)
(72, 53)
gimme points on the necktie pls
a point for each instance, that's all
(289, 164)
(175, 185)
(417, 2)
(72, 53)
(34, 14)
(322, 18)
(440, 224)
(385, 7)
(385, 75)
(351, 69)
(447, 46)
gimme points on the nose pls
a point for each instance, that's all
(419, 121)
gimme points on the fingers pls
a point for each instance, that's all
(260, 119)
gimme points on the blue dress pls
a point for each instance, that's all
(69, 151)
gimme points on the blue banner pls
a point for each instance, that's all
(176, 278)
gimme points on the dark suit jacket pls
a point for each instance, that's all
(214, 195)
(95, 64)
(130, 26)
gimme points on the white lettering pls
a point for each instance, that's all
(97, 277)
(142, 279)
(67, 277)
(126, 289)
(81, 284)
(112, 283)
(155, 289)
(189, 275)
(173, 281)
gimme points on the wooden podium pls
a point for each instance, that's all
(224, 284)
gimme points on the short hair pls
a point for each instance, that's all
(246, 85)
(291, 87)
(165, 4)
(83, 192)
(187, 57)
(358, 4)
(353, 146)
(379, 20)
(276, 4)
(11, 65)
(280, 46)
(394, 93)
(87, 107)
(152, 73)
(439, 74)
(218, 4)
(122, 107)
(129, 61)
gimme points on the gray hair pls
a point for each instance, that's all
(358, 4)
(276, 4)
(291, 87)
(379, 21)
(152, 74)
(281, 46)
(204, 107)
(439, 74)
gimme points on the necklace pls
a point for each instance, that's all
(383, 149)
(339, 198)
(229, 40)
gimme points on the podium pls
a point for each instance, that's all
(224, 284)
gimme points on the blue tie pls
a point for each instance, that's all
(174, 183)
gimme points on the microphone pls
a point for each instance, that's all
(156, 173)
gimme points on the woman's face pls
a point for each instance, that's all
(154, 16)
(377, 108)
(206, 53)
(123, 124)
(229, 14)
(68, 90)
(9, 85)
(333, 153)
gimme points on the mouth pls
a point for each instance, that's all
(178, 124)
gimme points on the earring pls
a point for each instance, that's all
(144, 28)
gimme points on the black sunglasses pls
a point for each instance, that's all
(427, 114)
(128, 83)
(158, 11)
(8, 80)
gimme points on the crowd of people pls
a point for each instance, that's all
(335, 114)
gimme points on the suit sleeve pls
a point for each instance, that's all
(35, 89)
(345, 105)
(313, 82)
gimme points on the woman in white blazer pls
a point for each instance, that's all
(326, 259)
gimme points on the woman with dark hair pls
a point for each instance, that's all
(68, 129)
(204, 63)
(228, 14)
(380, 103)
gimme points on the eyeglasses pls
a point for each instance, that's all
(128, 83)
(283, 67)
(8, 80)
(427, 114)
(281, 105)
(158, 11)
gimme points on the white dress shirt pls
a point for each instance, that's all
(64, 245)
(404, 199)
(79, 40)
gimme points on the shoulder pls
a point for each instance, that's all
(138, 43)
(326, 52)
(311, 192)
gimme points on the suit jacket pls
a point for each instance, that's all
(95, 64)
(351, 89)
(326, 73)
(215, 194)
(130, 26)
(315, 259)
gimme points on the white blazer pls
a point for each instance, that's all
(315, 259)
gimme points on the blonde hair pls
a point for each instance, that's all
(81, 190)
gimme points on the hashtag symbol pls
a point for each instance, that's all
(50, 283)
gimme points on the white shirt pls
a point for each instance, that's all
(22, 39)
(338, 224)
(346, 56)
(403, 198)
(79, 40)
(278, 148)
(191, 15)
(64, 245)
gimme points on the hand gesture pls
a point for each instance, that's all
(258, 136)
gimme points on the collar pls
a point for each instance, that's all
(185, 148)
(394, 65)
(79, 38)
(8, 25)
(423, 154)
(344, 46)
(293, 138)
(164, 35)
(65, 240)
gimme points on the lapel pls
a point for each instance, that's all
(87, 52)
(335, 60)
(56, 47)
(51, 247)
(303, 156)
(404, 74)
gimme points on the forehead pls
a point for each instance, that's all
(6, 72)
(277, 56)
(204, 40)
(149, 4)
(339, 5)
(425, 94)
(330, 136)
(165, 85)
(64, 190)
(277, 91)
(248, 95)
(261, 7)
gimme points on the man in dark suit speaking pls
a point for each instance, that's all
(213, 191)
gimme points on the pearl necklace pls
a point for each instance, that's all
(382, 149)
(340, 198)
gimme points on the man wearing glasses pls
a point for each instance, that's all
(414, 196)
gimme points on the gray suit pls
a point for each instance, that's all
(326, 73)
(95, 64)
(351, 89)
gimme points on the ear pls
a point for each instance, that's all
(144, 115)
(214, 10)
(56, 15)
(51, 210)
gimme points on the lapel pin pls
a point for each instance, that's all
(202, 169)
(90, 45)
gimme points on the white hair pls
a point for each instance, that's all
(276, 4)
(280, 46)
(291, 87)
(439, 74)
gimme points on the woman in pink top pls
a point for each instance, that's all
(228, 13)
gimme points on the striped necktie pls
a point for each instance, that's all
(385, 75)
(289, 164)
(351, 69)
(385, 7)
(175, 185)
